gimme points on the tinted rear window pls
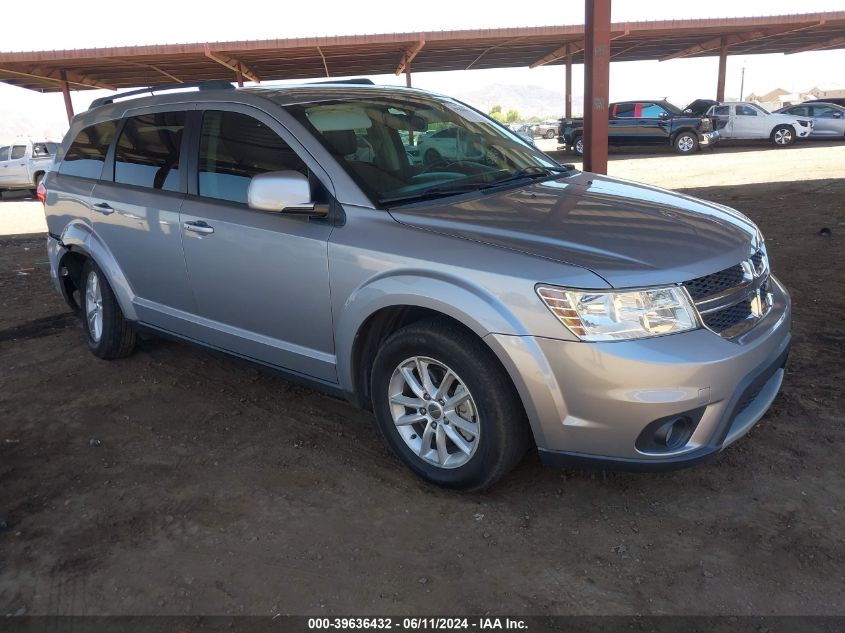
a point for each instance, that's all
(147, 153)
(86, 156)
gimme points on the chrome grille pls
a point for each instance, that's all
(733, 300)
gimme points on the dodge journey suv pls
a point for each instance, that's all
(479, 304)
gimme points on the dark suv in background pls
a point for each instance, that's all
(646, 123)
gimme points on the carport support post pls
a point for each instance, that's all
(66, 94)
(568, 107)
(239, 77)
(723, 64)
(596, 84)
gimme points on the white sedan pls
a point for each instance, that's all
(743, 120)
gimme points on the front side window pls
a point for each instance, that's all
(826, 112)
(18, 151)
(4, 153)
(87, 154)
(235, 147)
(742, 110)
(147, 152)
(417, 146)
(651, 111)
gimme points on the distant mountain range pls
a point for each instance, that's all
(529, 100)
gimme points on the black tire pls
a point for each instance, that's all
(685, 143)
(783, 136)
(503, 436)
(117, 339)
(578, 145)
(432, 157)
(550, 134)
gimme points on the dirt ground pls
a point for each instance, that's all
(180, 482)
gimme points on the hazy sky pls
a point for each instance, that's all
(96, 23)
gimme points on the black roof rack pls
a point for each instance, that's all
(361, 81)
(213, 84)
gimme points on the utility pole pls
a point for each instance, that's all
(742, 84)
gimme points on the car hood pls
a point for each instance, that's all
(628, 233)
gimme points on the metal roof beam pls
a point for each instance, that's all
(408, 57)
(737, 38)
(231, 63)
(831, 43)
(570, 48)
(55, 76)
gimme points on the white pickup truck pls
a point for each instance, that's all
(24, 163)
(743, 120)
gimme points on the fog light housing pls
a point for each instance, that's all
(669, 434)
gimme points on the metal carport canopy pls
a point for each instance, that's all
(339, 56)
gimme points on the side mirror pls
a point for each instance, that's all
(664, 115)
(837, 115)
(282, 191)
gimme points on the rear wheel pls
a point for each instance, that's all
(686, 143)
(578, 145)
(107, 332)
(550, 134)
(783, 135)
(446, 406)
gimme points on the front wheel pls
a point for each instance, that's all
(107, 332)
(446, 407)
(686, 143)
(550, 134)
(783, 135)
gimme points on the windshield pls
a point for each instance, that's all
(402, 148)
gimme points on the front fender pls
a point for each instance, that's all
(457, 298)
(77, 237)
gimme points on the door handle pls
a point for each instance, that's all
(103, 207)
(199, 227)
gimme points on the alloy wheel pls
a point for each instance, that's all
(783, 137)
(685, 143)
(94, 306)
(434, 412)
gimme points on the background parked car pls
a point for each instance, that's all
(828, 118)
(24, 163)
(546, 129)
(840, 101)
(744, 120)
(646, 123)
(525, 131)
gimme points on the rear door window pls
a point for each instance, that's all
(87, 154)
(235, 147)
(148, 151)
(624, 110)
(18, 151)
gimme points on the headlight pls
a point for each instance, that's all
(621, 315)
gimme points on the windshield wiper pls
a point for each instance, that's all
(432, 193)
(530, 172)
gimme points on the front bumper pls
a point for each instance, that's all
(706, 139)
(588, 403)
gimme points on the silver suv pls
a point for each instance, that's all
(479, 304)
